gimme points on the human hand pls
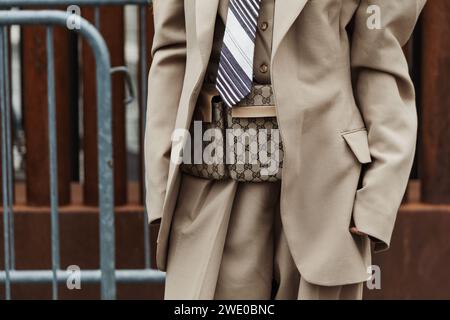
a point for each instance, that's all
(355, 230)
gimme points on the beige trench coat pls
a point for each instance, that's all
(345, 102)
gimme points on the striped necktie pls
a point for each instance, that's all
(235, 74)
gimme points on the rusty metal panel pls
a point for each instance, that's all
(435, 102)
(34, 105)
(110, 21)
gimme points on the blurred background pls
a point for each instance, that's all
(416, 267)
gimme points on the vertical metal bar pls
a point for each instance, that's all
(9, 153)
(143, 91)
(97, 17)
(105, 181)
(5, 141)
(52, 140)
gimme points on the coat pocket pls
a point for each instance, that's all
(359, 144)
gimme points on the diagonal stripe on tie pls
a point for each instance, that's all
(235, 74)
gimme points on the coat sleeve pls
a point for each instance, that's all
(385, 96)
(165, 82)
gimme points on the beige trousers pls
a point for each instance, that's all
(227, 242)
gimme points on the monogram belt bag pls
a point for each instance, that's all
(242, 143)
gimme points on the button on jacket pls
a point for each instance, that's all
(345, 101)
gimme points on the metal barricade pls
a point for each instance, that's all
(107, 275)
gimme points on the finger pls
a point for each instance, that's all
(355, 230)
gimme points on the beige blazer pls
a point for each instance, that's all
(346, 110)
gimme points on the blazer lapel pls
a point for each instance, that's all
(286, 11)
(205, 18)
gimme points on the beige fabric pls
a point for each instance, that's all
(197, 237)
(204, 102)
(326, 86)
(237, 251)
(254, 112)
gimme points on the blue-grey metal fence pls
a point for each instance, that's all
(107, 275)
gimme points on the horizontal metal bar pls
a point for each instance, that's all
(86, 276)
(28, 3)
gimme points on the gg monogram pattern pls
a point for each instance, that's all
(247, 165)
(215, 167)
(256, 147)
(261, 95)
